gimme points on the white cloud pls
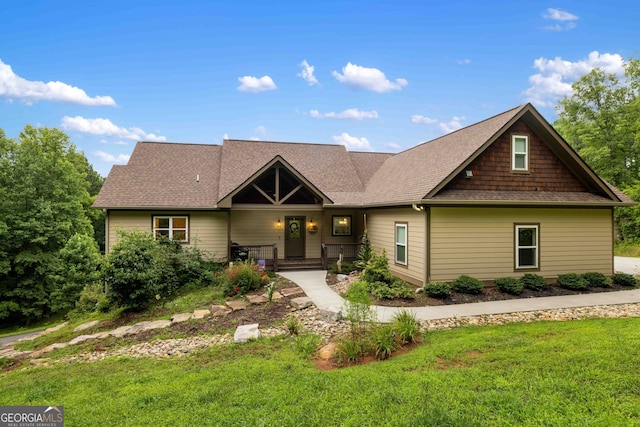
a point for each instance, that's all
(13, 86)
(261, 130)
(555, 76)
(353, 142)
(564, 20)
(392, 145)
(464, 61)
(121, 143)
(351, 113)
(255, 84)
(110, 158)
(367, 78)
(105, 127)
(423, 119)
(225, 136)
(445, 126)
(307, 73)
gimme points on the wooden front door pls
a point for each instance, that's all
(294, 234)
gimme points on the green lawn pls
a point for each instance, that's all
(580, 373)
(630, 249)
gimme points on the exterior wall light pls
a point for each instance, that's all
(468, 174)
(279, 225)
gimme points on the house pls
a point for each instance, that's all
(502, 197)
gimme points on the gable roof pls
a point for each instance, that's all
(163, 175)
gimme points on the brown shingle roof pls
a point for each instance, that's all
(524, 197)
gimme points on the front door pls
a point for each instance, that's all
(294, 233)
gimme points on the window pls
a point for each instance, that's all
(520, 153)
(401, 243)
(174, 227)
(527, 251)
(341, 225)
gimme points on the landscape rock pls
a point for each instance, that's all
(54, 346)
(287, 292)
(82, 338)
(86, 326)
(342, 277)
(56, 328)
(328, 351)
(121, 331)
(257, 299)
(219, 310)
(245, 333)
(236, 305)
(301, 302)
(182, 317)
(201, 314)
(330, 314)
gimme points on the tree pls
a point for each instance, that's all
(43, 200)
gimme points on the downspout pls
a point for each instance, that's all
(425, 249)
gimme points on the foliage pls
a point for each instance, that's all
(345, 268)
(398, 288)
(92, 298)
(509, 285)
(533, 281)
(80, 263)
(307, 344)
(44, 201)
(351, 349)
(294, 326)
(406, 326)
(377, 270)
(437, 289)
(365, 252)
(467, 285)
(628, 248)
(596, 280)
(242, 277)
(357, 310)
(572, 281)
(623, 279)
(271, 287)
(383, 340)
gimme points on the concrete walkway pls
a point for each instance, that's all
(316, 288)
(627, 265)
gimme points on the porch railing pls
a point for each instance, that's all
(331, 252)
(269, 253)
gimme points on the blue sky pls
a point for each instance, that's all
(371, 75)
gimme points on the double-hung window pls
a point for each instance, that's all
(527, 246)
(520, 153)
(174, 227)
(401, 244)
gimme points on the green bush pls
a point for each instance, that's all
(467, 285)
(345, 268)
(623, 279)
(243, 277)
(365, 252)
(294, 326)
(596, 280)
(533, 281)
(351, 349)
(383, 340)
(357, 309)
(398, 288)
(572, 281)
(437, 289)
(406, 326)
(90, 298)
(509, 285)
(377, 270)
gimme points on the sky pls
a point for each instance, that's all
(378, 76)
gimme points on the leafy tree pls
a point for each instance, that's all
(365, 252)
(43, 196)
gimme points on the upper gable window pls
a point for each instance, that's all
(520, 153)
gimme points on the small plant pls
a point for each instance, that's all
(398, 288)
(294, 327)
(467, 285)
(242, 277)
(383, 341)
(533, 281)
(365, 252)
(596, 280)
(572, 281)
(357, 310)
(406, 326)
(377, 270)
(509, 285)
(307, 344)
(271, 287)
(351, 349)
(437, 289)
(623, 279)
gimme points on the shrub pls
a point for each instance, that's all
(572, 281)
(398, 288)
(357, 310)
(406, 326)
(509, 285)
(243, 277)
(467, 285)
(596, 280)
(293, 325)
(383, 340)
(437, 289)
(346, 268)
(533, 281)
(377, 270)
(91, 296)
(365, 252)
(623, 279)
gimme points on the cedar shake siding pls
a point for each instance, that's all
(492, 169)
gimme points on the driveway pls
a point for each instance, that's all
(626, 265)
(12, 338)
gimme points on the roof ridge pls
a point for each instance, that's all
(179, 143)
(286, 142)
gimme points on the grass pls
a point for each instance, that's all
(544, 373)
(630, 249)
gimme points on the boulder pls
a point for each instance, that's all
(330, 314)
(287, 292)
(86, 326)
(245, 333)
(301, 302)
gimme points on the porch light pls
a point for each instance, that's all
(278, 225)
(468, 174)
(311, 223)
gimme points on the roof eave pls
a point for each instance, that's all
(431, 202)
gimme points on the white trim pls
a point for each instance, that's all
(524, 153)
(171, 229)
(535, 246)
(403, 244)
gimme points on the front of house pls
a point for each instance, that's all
(499, 198)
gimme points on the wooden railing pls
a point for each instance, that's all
(269, 253)
(331, 252)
